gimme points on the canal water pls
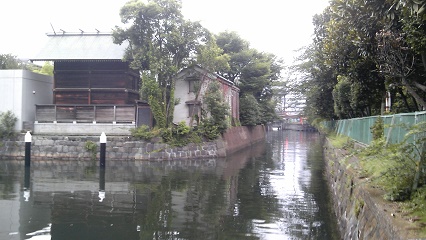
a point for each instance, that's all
(274, 190)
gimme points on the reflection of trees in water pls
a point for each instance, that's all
(8, 178)
(319, 189)
(185, 205)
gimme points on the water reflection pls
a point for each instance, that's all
(274, 190)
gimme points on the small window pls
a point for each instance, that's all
(193, 109)
(192, 84)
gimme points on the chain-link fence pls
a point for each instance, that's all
(395, 126)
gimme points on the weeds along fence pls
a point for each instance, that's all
(395, 127)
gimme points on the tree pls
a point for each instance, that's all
(217, 108)
(254, 72)
(8, 61)
(250, 113)
(397, 60)
(46, 69)
(162, 42)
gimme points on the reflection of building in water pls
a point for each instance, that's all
(137, 198)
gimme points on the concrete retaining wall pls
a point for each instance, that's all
(361, 211)
(125, 148)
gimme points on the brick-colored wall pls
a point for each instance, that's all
(237, 138)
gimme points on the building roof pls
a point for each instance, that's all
(202, 70)
(84, 46)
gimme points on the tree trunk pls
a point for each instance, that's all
(404, 99)
(420, 86)
(423, 54)
(413, 93)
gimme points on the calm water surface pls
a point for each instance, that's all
(275, 190)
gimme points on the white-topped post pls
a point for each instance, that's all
(103, 140)
(28, 139)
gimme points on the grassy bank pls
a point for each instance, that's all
(396, 170)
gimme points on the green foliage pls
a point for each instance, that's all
(387, 168)
(340, 141)
(162, 43)
(341, 97)
(8, 61)
(255, 72)
(182, 129)
(397, 168)
(416, 208)
(212, 58)
(250, 113)
(217, 108)
(378, 128)
(208, 129)
(92, 148)
(179, 135)
(46, 69)
(7, 124)
(145, 133)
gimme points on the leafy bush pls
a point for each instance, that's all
(92, 148)
(7, 124)
(182, 129)
(217, 107)
(377, 129)
(397, 168)
(145, 133)
(209, 130)
(249, 111)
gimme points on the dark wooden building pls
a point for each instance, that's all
(88, 69)
(92, 84)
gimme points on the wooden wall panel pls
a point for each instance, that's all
(108, 80)
(98, 79)
(71, 97)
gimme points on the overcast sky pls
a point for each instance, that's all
(275, 26)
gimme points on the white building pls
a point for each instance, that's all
(20, 90)
(191, 86)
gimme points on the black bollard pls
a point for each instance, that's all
(101, 184)
(103, 148)
(28, 149)
(27, 183)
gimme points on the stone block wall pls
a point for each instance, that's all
(45, 147)
(361, 211)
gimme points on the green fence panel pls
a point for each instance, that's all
(395, 127)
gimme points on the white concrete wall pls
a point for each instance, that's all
(20, 90)
(181, 112)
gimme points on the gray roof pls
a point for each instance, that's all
(96, 46)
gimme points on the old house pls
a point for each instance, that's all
(191, 86)
(94, 90)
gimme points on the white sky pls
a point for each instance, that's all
(275, 26)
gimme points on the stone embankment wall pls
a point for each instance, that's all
(361, 211)
(45, 147)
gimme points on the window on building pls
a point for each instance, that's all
(193, 110)
(192, 85)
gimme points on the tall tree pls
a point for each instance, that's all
(254, 72)
(162, 42)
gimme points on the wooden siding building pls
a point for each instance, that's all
(88, 69)
(92, 84)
